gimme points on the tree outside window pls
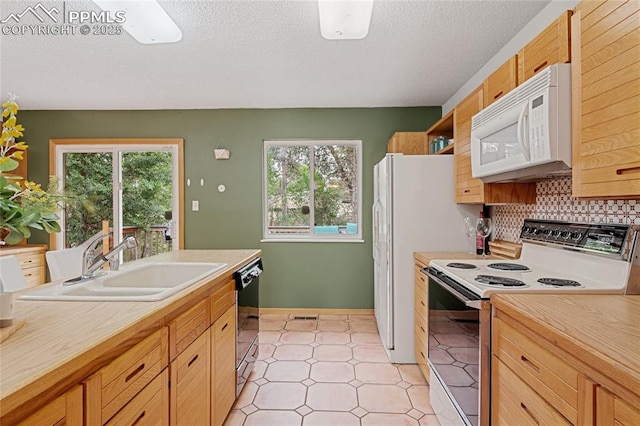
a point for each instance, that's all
(325, 206)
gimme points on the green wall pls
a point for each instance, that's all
(297, 275)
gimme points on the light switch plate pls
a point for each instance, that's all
(195, 205)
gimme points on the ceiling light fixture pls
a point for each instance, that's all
(345, 19)
(146, 20)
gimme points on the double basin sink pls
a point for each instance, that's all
(143, 282)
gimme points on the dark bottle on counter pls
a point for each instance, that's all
(479, 240)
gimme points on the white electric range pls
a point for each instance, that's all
(557, 257)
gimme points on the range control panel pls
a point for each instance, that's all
(611, 239)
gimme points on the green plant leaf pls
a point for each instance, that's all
(9, 165)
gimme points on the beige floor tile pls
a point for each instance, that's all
(457, 340)
(332, 353)
(301, 325)
(411, 373)
(429, 420)
(332, 338)
(378, 373)
(376, 419)
(280, 396)
(271, 325)
(333, 326)
(366, 339)
(268, 336)
(265, 351)
(273, 418)
(332, 397)
(363, 326)
(246, 396)
(287, 371)
(383, 399)
(419, 396)
(332, 317)
(330, 418)
(358, 317)
(370, 353)
(293, 352)
(259, 367)
(274, 317)
(298, 337)
(235, 418)
(332, 372)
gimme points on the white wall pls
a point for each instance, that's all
(528, 32)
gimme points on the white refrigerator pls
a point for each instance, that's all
(413, 210)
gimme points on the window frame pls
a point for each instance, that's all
(311, 236)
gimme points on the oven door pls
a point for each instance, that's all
(454, 350)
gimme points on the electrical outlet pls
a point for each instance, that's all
(195, 205)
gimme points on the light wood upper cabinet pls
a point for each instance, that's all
(501, 81)
(550, 47)
(442, 127)
(409, 143)
(606, 99)
(475, 191)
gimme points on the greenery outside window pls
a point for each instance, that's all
(312, 190)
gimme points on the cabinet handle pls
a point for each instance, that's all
(422, 303)
(139, 418)
(224, 326)
(423, 355)
(467, 190)
(134, 372)
(497, 95)
(422, 279)
(422, 328)
(626, 170)
(529, 413)
(192, 360)
(539, 67)
(530, 364)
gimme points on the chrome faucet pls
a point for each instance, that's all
(91, 262)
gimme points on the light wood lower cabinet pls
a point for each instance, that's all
(190, 384)
(535, 383)
(31, 260)
(149, 407)
(223, 378)
(64, 410)
(421, 319)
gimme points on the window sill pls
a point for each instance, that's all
(311, 240)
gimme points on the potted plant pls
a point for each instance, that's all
(27, 205)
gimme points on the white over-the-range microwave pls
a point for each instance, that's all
(526, 134)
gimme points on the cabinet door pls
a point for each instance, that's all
(606, 99)
(468, 189)
(64, 410)
(421, 319)
(550, 47)
(190, 384)
(223, 351)
(501, 81)
(612, 410)
(409, 143)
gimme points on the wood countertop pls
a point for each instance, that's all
(426, 257)
(62, 343)
(601, 331)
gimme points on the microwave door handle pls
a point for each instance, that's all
(523, 138)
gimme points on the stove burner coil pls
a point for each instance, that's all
(508, 267)
(559, 282)
(458, 265)
(499, 281)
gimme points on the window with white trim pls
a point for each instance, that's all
(312, 190)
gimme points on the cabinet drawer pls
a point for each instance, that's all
(112, 387)
(30, 260)
(149, 407)
(34, 275)
(222, 300)
(186, 328)
(515, 403)
(553, 378)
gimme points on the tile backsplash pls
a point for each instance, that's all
(554, 202)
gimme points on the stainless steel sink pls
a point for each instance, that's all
(143, 282)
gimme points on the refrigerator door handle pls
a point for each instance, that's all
(376, 228)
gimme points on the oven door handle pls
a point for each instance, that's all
(475, 304)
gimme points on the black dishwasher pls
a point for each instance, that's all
(247, 318)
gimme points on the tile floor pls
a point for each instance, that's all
(329, 372)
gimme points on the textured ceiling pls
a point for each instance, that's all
(261, 54)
